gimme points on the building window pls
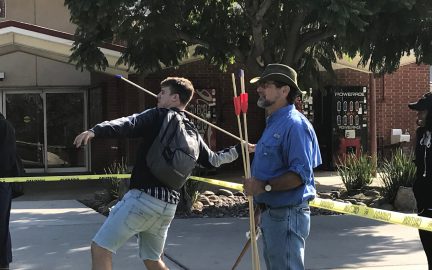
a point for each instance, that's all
(46, 123)
(2, 9)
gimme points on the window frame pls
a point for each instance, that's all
(43, 92)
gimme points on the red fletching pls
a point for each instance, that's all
(244, 102)
(237, 105)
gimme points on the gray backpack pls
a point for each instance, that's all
(175, 150)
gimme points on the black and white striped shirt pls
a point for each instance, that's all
(163, 193)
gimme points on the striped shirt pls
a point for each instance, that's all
(163, 193)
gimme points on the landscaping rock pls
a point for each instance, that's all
(225, 192)
(325, 195)
(225, 203)
(405, 200)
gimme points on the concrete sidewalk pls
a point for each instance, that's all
(48, 233)
(57, 234)
(335, 242)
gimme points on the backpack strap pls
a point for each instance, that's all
(182, 119)
(162, 136)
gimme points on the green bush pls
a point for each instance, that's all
(356, 172)
(118, 187)
(189, 194)
(193, 189)
(396, 172)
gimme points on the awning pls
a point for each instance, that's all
(52, 44)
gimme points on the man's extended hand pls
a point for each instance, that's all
(251, 147)
(252, 187)
(83, 138)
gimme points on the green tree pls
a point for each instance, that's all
(299, 33)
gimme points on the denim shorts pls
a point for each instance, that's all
(137, 214)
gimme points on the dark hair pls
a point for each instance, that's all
(181, 86)
(292, 94)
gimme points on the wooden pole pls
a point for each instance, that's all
(189, 113)
(254, 245)
(373, 125)
(237, 110)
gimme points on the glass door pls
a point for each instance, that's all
(46, 123)
(65, 119)
(25, 112)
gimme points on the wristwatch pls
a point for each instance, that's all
(267, 187)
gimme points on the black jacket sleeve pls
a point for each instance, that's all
(131, 126)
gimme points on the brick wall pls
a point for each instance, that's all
(404, 86)
(393, 93)
(118, 99)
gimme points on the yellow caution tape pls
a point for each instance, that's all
(226, 184)
(64, 178)
(410, 220)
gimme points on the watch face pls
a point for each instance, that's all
(267, 188)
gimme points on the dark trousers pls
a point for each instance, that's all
(5, 238)
(426, 238)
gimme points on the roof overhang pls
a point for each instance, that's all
(353, 63)
(52, 44)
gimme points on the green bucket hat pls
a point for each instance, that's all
(281, 73)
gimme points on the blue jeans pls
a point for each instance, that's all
(284, 233)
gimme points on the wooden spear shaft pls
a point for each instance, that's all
(189, 113)
(255, 255)
(237, 112)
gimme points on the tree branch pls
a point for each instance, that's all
(293, 37)
(309, 39)
(258, 47)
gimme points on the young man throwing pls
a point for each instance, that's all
(149, 207)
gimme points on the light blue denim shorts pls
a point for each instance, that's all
(139, 214)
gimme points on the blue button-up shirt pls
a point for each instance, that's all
(288, 144)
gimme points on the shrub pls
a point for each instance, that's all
(193, 188)
(396, 172)
(118, 187)
(356, 172)
(189, 194)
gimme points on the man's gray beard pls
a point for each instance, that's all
(263, 103)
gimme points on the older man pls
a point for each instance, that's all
(282, 170)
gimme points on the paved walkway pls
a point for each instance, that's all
(55, 234)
